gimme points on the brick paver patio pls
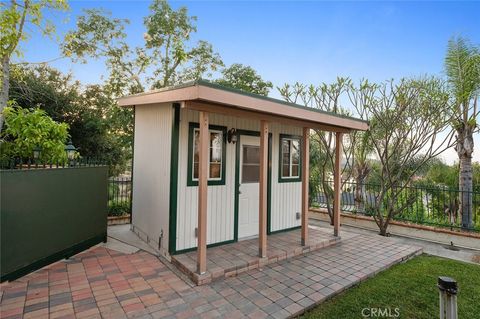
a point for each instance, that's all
(233, 259)
(103, 283)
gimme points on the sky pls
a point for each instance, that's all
(288, 41)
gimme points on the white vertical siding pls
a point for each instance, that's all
(151, 173)
(285, 197)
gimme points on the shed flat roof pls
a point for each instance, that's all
(201, 92)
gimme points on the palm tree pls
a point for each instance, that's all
(462, 66)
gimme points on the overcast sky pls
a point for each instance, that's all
(310, 42)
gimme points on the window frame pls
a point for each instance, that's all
(289, 179)
(192, 126)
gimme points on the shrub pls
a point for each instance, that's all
(118, 208)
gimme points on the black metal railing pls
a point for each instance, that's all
(19, 163)
(119, 196)
(434, 205)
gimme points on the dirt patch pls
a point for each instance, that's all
(476, 259)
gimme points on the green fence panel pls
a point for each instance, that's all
(50, 214)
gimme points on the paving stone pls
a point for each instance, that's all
(108, 284)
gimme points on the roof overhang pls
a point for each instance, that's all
(208, 97)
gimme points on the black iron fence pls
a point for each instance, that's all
(426, 205)
(119, 196)
(18, 163)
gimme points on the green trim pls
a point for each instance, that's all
(230, 241)
(269, 189)
(262, 97)
(172, 233)
(237, 178)
(191, 127)
(286, 179)
(66, 253)
(284, 230)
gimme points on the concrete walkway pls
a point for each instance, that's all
(104, 283)
(431, 248)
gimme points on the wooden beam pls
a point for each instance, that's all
(305, 180)
(232, 111)
(337, 180)
(276, 107)
(203, 148)
(262, 211)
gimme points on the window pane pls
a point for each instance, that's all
(195, 170)
(215, 155)
(250, 164)
(215, 170)
(285, 158)
(196, 135)
(285, 151)
(195, 145)
(251, 154)
(295, 170)
(285, 170)
(250, 174)
(295, 152)
(215, 147)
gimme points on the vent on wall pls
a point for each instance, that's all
(196, 232)
(297, 215)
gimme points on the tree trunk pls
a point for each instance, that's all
(5, 74)
(360, 194)
(328, 201)
(466, 187)
(383, 229)
(464, 150)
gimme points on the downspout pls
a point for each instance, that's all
(131, 169)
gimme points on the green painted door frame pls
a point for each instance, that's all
(174, 166)
(237, 179)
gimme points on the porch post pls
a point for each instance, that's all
(262, 211)
(305, 180)
(203, 146)
(337, 180)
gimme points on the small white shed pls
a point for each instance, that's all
(214, 165)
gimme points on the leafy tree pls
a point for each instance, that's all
(245, 78)
(26, 129)
(98, 127)
(325, 97)
(361, 166)
(441, 174)
(17, 18)
(407, 121)
(462, 65)
(166, 58)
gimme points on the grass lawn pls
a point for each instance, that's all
(411, 287)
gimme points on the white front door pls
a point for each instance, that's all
(248, 197)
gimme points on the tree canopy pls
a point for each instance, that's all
(167, 56)
(245, 78)
(17, 20)
(98, 127)
(28, 129)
